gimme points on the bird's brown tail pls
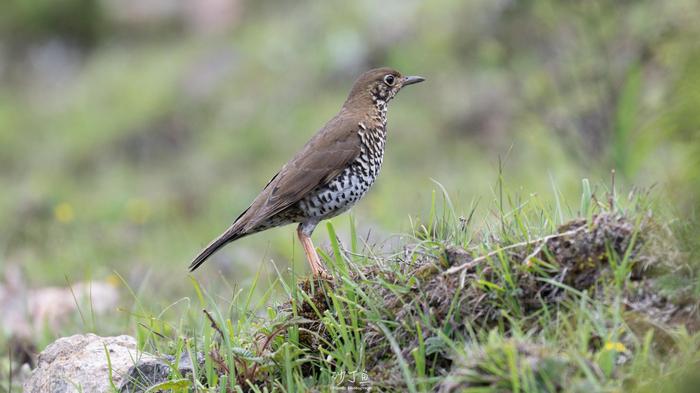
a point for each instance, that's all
(227, 237)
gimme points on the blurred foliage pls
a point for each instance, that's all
(133, 132)
(78, 21)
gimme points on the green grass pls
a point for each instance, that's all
(523, 304)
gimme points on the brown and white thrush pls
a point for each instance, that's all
(329, 174)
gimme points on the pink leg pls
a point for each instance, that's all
(311, 256)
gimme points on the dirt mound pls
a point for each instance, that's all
(458, 292)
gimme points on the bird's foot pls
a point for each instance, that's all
(317, 268)
(322, 274)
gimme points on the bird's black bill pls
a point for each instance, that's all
(410, 80)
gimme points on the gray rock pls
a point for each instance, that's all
(79, 364)
(152, 371)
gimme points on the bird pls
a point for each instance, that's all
(333, 170)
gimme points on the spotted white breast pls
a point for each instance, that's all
(339, 194)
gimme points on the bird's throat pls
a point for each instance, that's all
(378, 115)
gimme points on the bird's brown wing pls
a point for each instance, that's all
(323, 158)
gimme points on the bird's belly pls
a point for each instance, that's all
(342, 192)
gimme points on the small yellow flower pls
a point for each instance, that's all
(138, 210)
(63, 213)
(113, 280)
(615, 346)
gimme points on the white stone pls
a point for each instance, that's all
(79, 364)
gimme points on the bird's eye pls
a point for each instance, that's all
(389, 80)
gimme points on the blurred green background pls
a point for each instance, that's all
(133, 132)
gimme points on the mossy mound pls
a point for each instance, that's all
(455, 295)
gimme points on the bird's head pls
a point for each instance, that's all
(379, 85)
